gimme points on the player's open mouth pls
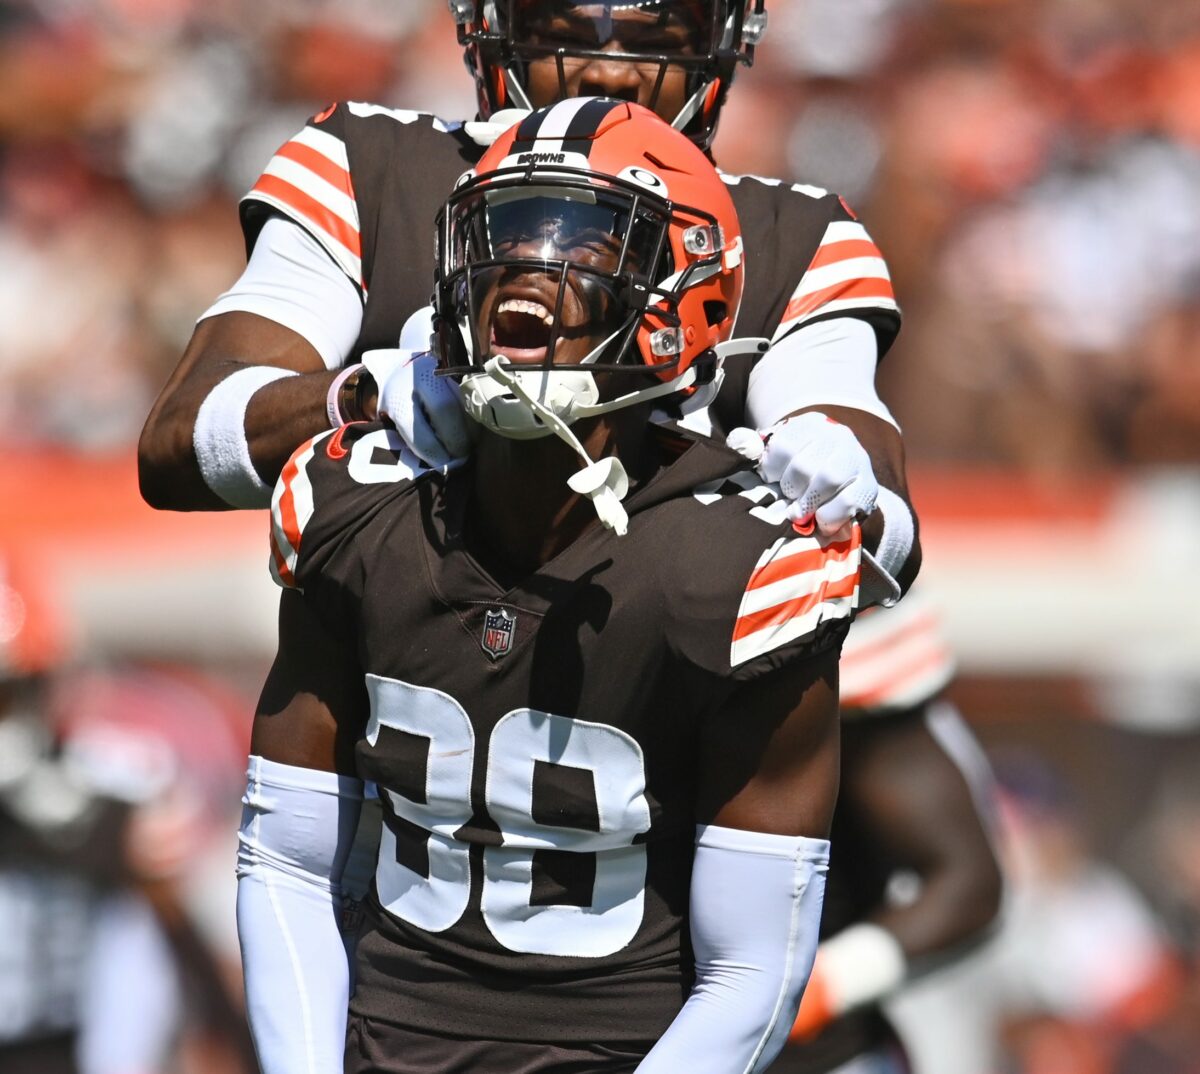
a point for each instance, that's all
(521, 330)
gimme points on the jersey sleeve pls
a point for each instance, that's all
(309, 181)
(895, 659)
(847, 276)
(329, 492)
(772, 595)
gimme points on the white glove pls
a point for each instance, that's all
(818, 464)
(426, 409)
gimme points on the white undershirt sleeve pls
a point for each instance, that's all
(829, 363)
(298, 827)
(755, 912)
(291, 280)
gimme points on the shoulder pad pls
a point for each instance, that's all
(847, 275)
(769, 594)
(308, 180)
(331, 485)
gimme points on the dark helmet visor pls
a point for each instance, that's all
(602, 231)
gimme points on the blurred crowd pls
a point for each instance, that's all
(1031, 169)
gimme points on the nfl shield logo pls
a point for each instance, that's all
(498, 628)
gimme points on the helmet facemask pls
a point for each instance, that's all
(575, 276)
(705, 40)
(561, 276)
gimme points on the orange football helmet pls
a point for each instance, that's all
(601, 201)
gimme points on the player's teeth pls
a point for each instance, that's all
(520, 305)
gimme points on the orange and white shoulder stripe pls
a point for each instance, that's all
(798, 583)
(308, 180)
(895, 658)
(847, 273)
(291, 509)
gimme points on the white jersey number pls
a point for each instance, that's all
(524, 740)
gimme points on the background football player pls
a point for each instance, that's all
(915, 806)
(338, 231)
(588, 733)
(97, 952)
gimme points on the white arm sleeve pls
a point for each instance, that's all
(755, 912)
(291, 280)
(297, 830)
(830, 363)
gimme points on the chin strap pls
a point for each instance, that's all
(605, 483)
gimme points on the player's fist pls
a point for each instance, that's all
(819, 466)
(426, 409)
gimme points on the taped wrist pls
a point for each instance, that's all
(219, 437)
(861, 965)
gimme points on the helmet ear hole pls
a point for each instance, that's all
(715, 311)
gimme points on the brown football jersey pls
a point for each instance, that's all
(533, 742)
(367, 182)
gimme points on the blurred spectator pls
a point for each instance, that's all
(101, 969)
(1083, 963)
(1031, 169)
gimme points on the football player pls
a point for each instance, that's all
(592, 672)
(915, 802)
(77, 915)
(339, 233)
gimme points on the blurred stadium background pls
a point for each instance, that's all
(1031, 169)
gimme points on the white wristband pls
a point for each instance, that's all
(860, 965)
(883, 565)
(219, 437)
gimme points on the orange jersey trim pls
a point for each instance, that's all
(873, 288)
(831, 253)
(801, 563)
(281, 568)
(940, 657)
(288, 519)
(753, 622)
(318, 164)
(925, 624)
(309, 208)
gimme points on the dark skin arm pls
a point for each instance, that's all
(313, 706)
(280, 417)
(916, 806)
(768, 759)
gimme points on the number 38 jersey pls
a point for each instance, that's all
(533, 741)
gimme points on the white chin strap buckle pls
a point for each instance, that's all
(605, 482)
